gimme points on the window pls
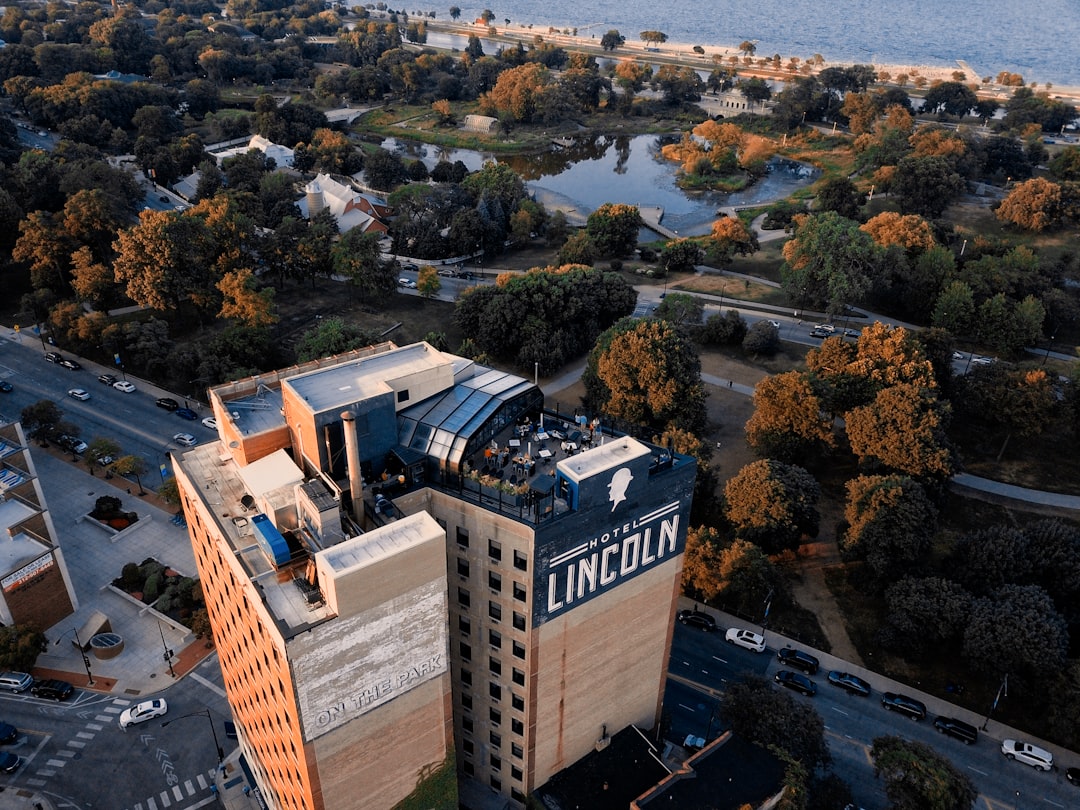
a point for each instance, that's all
(496, 783)
(468, 768)
(519, 650)
(515, 773)
(517, 795)
(519, 677)
(495, 739)
(463, 597)
(467, 746)
(495, 639)
(495, 611)
(464, 625)
(466, 652)
(519, 621)
(519, 590)
(467, 724)
(521, 562)
(466, 677)
(463, 537)
(517, 750)
(466, 702)
(495, 550)
(517, 726)
(463, 567)
(495, 665)
(496, 716)
(496, 762)
(494, 581)
(403, 395)
(518, 702)
(495, 690)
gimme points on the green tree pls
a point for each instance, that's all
(773, 718)
(331, 336)
(926, 185)
(358, 257)
(577, 249)
(761, 338)
(951, 98)
(788, 422)
(1007, 401)
(613, 228)
(890, 524)
(40, 420)
(455, 12)
(838, 194)
(647, 373)
(681, 310)
(98, 448)
(954, 310)
(723, 329)
(20, 645)
(987, 559)
(828, 263)
(384, 170)
(917, 777)
(648, 37)
(612, 40)
(773, 504)
(169, 492)
(681, 256)
(1020, 631)
(903, 429)
(924, 614)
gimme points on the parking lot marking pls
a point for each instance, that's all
(718, 658)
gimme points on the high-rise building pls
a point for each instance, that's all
(541, 626)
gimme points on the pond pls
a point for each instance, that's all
(592, 170)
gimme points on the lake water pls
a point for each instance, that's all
(1037, 40)
(626, 169)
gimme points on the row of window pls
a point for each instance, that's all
(521, 560)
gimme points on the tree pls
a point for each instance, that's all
(613, 228)
(747, 48)
(243, 302)
(647, 373)
(163, 261)
(1020, 631)
(681, 256)
(788, 422)
(988, 559)
(890, 523)
(427, 281)
(839, 194)
(723, 329)
(681, 310)
(828, 263)
(1007, 400)
(909, 231)
(730, 236)
(20, 645)
(701, 576)
(612, 40)
(1034, 205)
(762, 338)
(903, 429)
(455, 12)
(924, 614)
(772, 717)
(358, 257)
(131, 465)
(917, 777)
(926, 185)
(331, 336)
(955, 309)
(517, 92)
(951, 98)
(97, 449)
(40, 420)
(773, 504)
(653, 36)
(383, 169)
(577, 249)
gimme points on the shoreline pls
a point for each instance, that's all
(683, 53)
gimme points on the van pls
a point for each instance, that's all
(15, 681)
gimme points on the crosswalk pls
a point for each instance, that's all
(188, 794)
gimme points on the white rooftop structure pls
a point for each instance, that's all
(282, 155)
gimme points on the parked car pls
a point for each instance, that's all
(796, 681)
(696, 618)
(210, 422)
(168, 403)
(52, 689)
(79, 394)
(16, 681)
(9, 763)
(818, 332)
(447, 273)
(797, 659)
(409, 266)
(1073, 775)
(71, 364)
(6, 387)
(965, 732)
(981, 361)
(850, 683)
(1038, 758)
(745, 638)
(108, 379)
(105, 461)
(187, 413)
(140, 713)
(8, 733)
(123, 385)
(185, 439)
(53, 357)
(404, 282)
(893, 702)
(775, 325)
(72, 444)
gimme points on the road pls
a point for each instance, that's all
(702, 664)
(77, 754)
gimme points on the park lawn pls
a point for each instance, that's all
(742, 289)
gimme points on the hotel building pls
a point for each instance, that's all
(410, 566)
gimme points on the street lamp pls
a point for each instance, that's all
(1003, 691)
(82, 652)
(205, 713)
(167, 654)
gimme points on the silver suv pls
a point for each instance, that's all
(1038, 758)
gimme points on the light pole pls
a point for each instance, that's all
(82, 652)
(1003, 691)
(167, 655)
(205, 713)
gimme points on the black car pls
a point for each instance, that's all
(52, 689)
(71, 364)
(6, 387)
(965, 732)
(797, 659)
(8, 733)
(187, 413)
(698, 619)
(9, 763)
(915, 709)
(107, 379)
(1073, 775)
(168, 403)
(849, 682)
(796, 681)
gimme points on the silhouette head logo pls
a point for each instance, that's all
(620, 482)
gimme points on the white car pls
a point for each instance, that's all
(1038, 758)
(981, 361)
(404, 282)
(185, 439)
(79, 394)
(210, 422)
(123, 385)
(147, 710)
(775, 325)
(745, 638)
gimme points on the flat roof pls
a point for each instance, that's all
(379, 544)
(612, 453)
(21, 548)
